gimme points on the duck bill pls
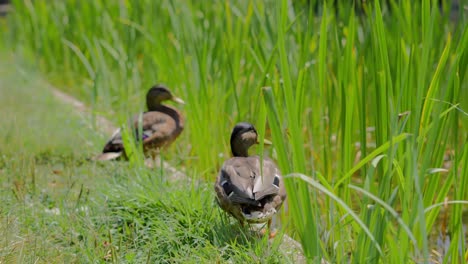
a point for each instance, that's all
(266, 142)
(177, 100)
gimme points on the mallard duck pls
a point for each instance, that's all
(241, 188)
(161, 126)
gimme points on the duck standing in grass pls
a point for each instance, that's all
(161, 125)
(243, 189)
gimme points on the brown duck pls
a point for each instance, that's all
(241, 189)
(161, 125)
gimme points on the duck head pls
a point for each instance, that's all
(158, 94)
(243, 136)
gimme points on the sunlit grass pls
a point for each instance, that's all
(59, 207)
(369, 104)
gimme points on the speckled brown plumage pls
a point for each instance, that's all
(161, 125)
(242, 189)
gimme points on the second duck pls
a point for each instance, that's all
(161, 125)
(245, 190)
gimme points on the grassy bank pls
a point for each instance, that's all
(58, 207)
(368, 112)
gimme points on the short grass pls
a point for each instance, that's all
(367, 107)
(59, 207)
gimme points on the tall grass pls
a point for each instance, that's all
(367, 109)
(57, 207)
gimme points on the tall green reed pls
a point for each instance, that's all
(369, 104)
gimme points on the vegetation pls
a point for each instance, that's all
(58, 207)
(368, 114)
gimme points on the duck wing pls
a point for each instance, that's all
(158, 128)
(268, 180)
(243, 181)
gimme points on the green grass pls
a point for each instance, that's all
(367, 109)
(59, 207)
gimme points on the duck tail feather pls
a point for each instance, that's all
(108, 156)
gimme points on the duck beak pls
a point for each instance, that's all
(266, 142)
(177, 100)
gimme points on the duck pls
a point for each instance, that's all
(161, 125)
(248, 193)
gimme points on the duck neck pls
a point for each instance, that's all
(239, 150)
(153, 105)
(172, 112)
